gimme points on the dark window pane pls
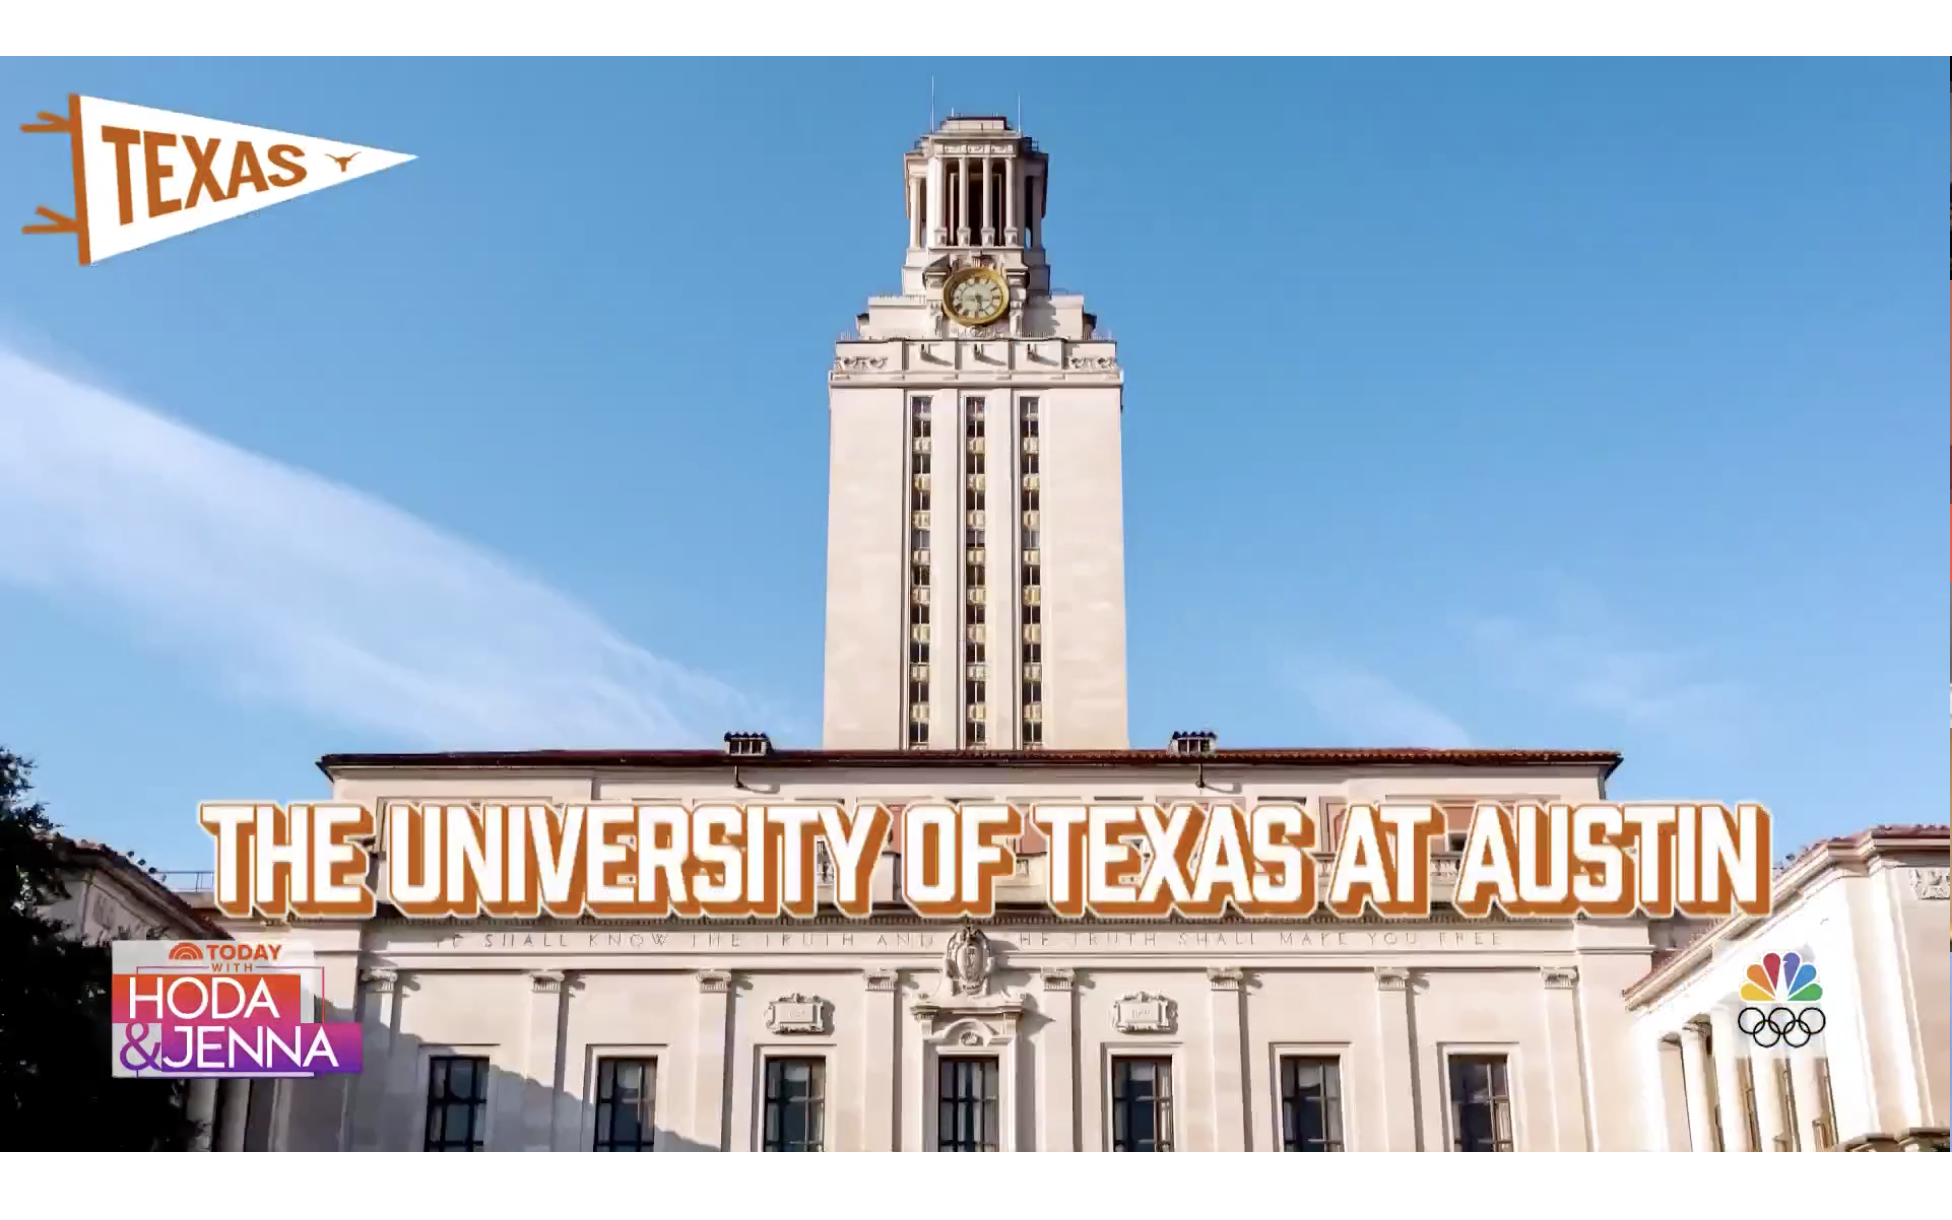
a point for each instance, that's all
(626, 1105)
(457, 1089)
(1480, 1102)
(794, 1119)
(1142, 1105)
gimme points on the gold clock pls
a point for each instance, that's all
(976, 296)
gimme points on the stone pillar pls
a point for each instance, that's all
(1768, 1102)
(1806, 1089)
(202, 1110)
(380, 1023)
(237, 1113)
(937, 219)
(879, 1056)
(1057, 1074)
(1562, 1061)
(917, 202)
(708, 1090)
(1034, 203)
(989, 215)
(962, 201)
(1701, 1111)
(1394, 995)
(1727, 1055)
(1229, 984)
(549, 992)
(1012, 209)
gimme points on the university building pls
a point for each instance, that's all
(975, 651)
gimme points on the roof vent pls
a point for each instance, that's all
(1201, 742)
(748, 745)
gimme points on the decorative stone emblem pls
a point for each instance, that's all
(797, 1014)
(1931, 883)
(1142, 1012)
(966, 961)
(970, 1037)
(856, 364)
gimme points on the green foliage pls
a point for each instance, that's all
(56, 1091)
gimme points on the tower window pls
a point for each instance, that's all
(1027, 411)
(918, 652)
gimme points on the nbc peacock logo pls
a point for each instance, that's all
(1779, 1002)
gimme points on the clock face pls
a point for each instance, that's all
(975, 296)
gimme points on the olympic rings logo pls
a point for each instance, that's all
(1781, 1025)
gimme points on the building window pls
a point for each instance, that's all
(457, 1103)
(795, 1105)
(1031, 702)
(1311, 1104)
(965, 1109)
(1480, 1103)
(1142, 1105)
(626, 1105)
(918, 652)
(919, 415)
(918, 732)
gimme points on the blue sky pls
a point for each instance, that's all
(1510, 403)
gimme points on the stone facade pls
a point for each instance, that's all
(1026, 1032)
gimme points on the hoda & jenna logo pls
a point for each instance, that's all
(224, 1008)
(143, 175)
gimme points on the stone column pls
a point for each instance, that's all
(989, 191)
(1727, 1056)
(1057, 1074)
(1806, 1088)
(1562, 1035)
(1012, 183)
(1694, 1065)
(938, 227)
(202, 1110)
(708, 1091)
(549, 992)
(380, 1023)
(1229, 984)
(917, 212)
(879, 1056)
(1396, 1051)
(962, 201)
(1768, 1101)
(237, 1113)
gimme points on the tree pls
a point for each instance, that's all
(56, 1090)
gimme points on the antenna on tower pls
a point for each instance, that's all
(931, 103)
(1020, 110)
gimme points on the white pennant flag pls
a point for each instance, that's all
(143, 175)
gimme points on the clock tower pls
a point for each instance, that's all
(975, 532)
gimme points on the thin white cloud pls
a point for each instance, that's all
(1576, 657)
(297, 591)
(1370, 710)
